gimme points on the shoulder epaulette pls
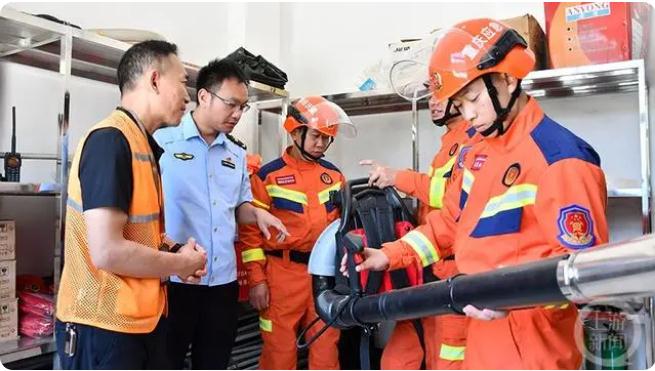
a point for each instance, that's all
(236, 141)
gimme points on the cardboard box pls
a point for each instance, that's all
(7, 240)
(532, 32)
(8, 319)
(583, 33)
(7, 279)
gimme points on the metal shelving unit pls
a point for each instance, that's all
(34, 41)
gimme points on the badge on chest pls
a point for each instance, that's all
(285, 180)
(511, 174)
(228, 162)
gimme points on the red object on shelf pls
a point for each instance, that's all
(35, 326)
(583, 33)
(37, 304)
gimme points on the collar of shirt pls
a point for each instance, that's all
(298, 164)
(190, 130)
(522, 125)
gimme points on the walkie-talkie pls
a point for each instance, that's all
(12, 159)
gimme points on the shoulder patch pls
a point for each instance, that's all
(328, 165)
(558, 143)
(470, 132)
(576, 228)
(236, 141)
(270, 167)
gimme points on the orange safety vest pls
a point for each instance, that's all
(95, 297)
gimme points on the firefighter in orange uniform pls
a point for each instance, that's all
(295, 188)
(529, 190)
(444, 337)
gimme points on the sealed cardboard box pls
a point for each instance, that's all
(7, 279)
(532, 32)
(7, 240)
(8, 319)
(583, 33)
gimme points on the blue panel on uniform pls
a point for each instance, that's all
(470, 132)
(329, 206)
(504, 222)
(272, 166)
(328, 165)
(284, 204)
(462, 199)
(448, 174)
(558, 143)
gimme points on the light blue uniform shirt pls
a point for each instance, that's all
(203, 185)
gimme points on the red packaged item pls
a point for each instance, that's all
(35, 326)
(37, 304)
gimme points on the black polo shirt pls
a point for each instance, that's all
(105, 170)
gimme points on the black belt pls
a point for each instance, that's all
(294, 256)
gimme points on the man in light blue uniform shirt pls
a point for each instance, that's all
(206, 192)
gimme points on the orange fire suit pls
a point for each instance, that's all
(444, 336)
(535, 192)
(297, 192)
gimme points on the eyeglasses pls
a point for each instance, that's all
(233, 106)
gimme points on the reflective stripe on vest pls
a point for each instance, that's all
(452, 353)
(287, 194)
(515, 197)
(324, 195)
(422, 246)
(265, 324)
(467, 181)
(438, 184)
(146, 218)
(252, 255)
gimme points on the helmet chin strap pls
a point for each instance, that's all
(444, 120)
(306, 155)
(501, 113)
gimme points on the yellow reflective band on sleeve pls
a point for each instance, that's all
(252, 255)
(451, 353)
(557, 306)
(438, 184)
(467, 181)
(260, 204)
(430, 171)
(324, 195)
(422, 246)
(515, 197)
(287, 194)
(265, 324)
